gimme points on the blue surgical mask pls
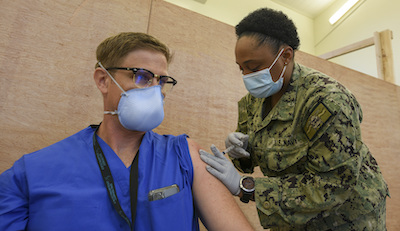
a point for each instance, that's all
(260, 83)
(139, 109)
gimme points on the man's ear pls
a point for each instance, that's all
(101, 78)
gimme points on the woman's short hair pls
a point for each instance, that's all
(269, 26)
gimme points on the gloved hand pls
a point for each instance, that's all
(240, 141)
(222, 169)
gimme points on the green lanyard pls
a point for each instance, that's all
(109, 181)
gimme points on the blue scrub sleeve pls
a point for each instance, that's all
(14, 198)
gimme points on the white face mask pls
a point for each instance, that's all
(139, 109)
(260, 83)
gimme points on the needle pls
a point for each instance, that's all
(228, 149)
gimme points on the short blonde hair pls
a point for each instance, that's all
(113, 49)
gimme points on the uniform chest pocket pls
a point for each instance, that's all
(286, 157)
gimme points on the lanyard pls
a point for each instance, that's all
(109, 181)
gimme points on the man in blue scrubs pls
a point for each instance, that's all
(120, 175)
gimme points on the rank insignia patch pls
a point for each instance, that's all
(318, 117)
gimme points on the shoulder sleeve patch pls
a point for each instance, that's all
(317, 118)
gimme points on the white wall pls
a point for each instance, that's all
(317, 36)
(371, 16)
(232, 11)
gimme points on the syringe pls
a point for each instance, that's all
(228, 149)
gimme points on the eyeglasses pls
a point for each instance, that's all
(144, 78)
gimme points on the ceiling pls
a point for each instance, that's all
(309, 8)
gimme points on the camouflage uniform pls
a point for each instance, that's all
(321, 176)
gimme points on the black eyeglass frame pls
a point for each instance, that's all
(135, 70)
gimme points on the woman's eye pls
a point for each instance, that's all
(255, 69)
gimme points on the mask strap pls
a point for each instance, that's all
(111, 112)
(123, 92)
(276, 59)
(283, 71)
(112, 78)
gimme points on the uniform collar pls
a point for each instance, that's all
(284, 109)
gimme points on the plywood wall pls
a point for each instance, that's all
(47, 58)
(47, 92)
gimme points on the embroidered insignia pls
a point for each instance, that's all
(318, 117)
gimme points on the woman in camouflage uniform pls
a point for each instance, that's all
(302, 128)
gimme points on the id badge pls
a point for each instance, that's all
(162, 193)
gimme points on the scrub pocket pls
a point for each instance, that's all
(175, 212)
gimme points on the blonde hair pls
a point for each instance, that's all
(113, 49)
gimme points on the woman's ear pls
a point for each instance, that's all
(101, 78)
(288, 54)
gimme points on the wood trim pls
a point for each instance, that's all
(385, 56)
(347, 49)
(383, 49)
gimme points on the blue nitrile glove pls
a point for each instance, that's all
(222, 169)
(240, 141)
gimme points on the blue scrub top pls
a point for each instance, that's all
(60, 187)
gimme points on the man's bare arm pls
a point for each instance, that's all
(216, 205)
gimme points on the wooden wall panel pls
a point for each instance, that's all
(203, 103)
(47, 55)
(47, 58)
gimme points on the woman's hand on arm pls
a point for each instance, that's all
(222, 168)
(217, 208)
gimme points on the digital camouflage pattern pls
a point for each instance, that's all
(320, 175)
